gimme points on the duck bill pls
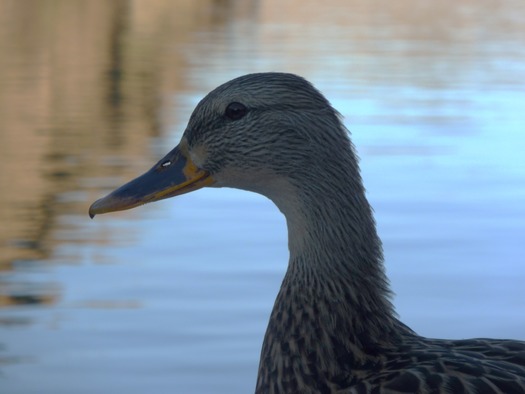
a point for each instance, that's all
(174, 175)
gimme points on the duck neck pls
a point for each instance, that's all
(332, 313)
(336, 264)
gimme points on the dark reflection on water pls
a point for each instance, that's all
(176, 296)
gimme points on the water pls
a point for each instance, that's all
(175, 297)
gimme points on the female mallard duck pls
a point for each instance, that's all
(333, 328)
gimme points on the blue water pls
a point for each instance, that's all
(175, 296)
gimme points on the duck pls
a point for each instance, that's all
(333, 327)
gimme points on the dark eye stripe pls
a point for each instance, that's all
(235, 111)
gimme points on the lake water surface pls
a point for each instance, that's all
(175, 296)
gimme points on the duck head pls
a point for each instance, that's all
(260, 132)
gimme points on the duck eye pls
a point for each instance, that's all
(235, 111)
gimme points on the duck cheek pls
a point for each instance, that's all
(199, 155)
(230, 177)
(259, 181)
